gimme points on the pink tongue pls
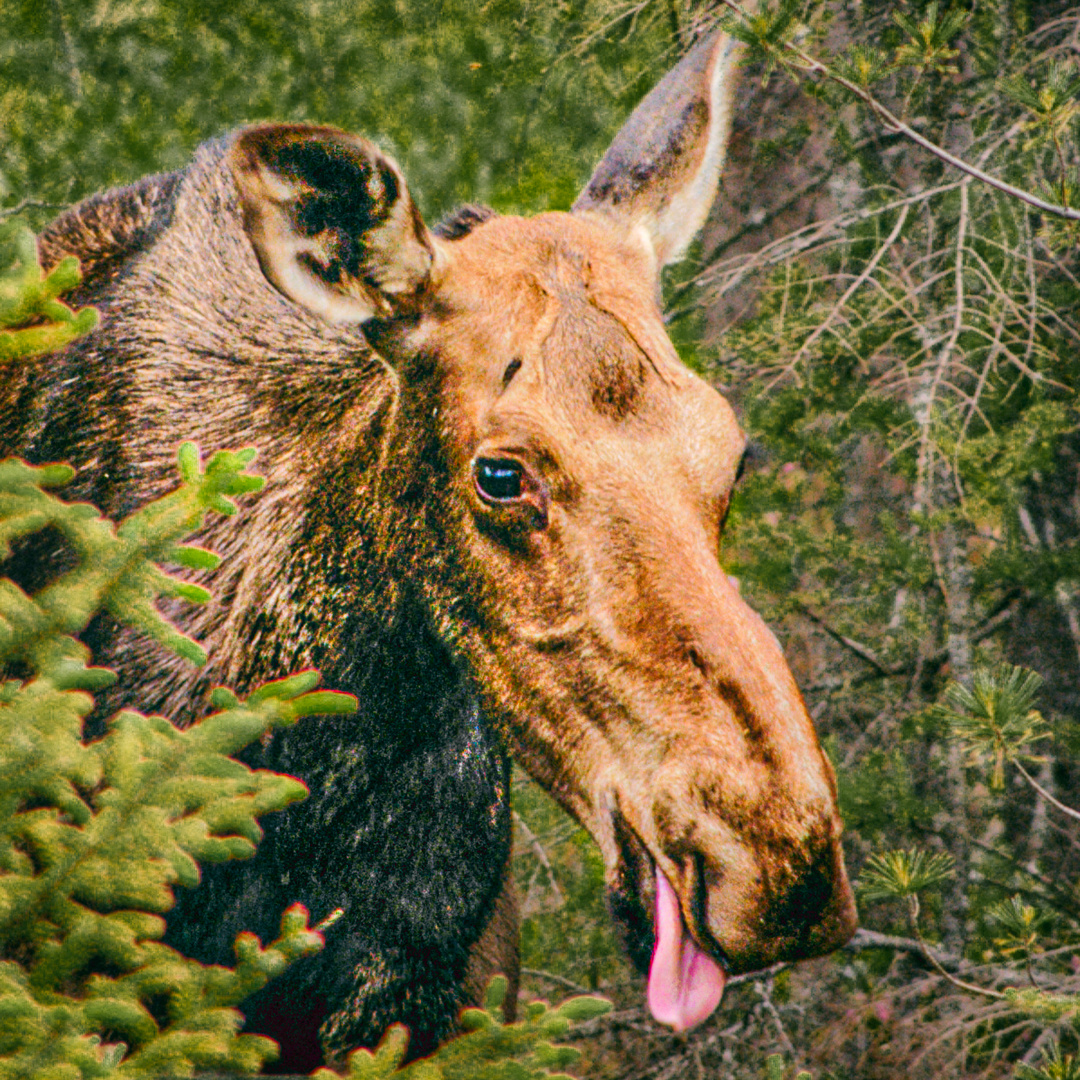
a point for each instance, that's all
(685, 984)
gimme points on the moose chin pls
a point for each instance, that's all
(493, 511)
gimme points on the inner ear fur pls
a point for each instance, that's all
(331, 220)
(658, 178)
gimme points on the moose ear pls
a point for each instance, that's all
(331, 220)
(659, 176)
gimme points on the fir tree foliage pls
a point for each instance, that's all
(33, 319)
(1055, 1065)
(95, 835)
(995, 718)
(488, 1049)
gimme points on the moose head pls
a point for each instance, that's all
(583, 477)
(494, 509)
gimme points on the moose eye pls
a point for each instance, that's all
(498, 479)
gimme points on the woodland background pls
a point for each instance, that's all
(902, 341)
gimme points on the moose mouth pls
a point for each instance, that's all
(685, 983)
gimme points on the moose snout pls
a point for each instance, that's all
(741, 816)
(760, 886)
(782, 904)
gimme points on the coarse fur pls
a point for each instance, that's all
(283, 292)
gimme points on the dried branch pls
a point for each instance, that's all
(863, 652)
(850, 291)
(1067, 810)
(30, 204)
(556, 980)
(937, 958)
(894, 124)
(764, 988)
(538, 850)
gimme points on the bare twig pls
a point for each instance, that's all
(30, 204)
(863, 652)
(538, 850)
(850, 291)
(893, 123)
(556, 980)
(764, 988)
(735, 269)
(1068, 810)
(1004, 613)
(982, 991)
(938, 958)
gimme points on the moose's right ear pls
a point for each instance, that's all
(331, 220)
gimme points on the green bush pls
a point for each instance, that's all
(94, 835)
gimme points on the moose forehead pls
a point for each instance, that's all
(550, 334)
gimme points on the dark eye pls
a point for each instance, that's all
(498, 479)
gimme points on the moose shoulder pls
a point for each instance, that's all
(493, 510)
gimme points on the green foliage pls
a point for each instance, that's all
(28, 296)
(864, 65)
(766, 31)
(1052, 102)
(929, 45)
(118, 570)
(1017, 927)
(896, 875)
(505, 102)
(996, 719)
(1054, 1066)
(910, 365)
(94, 835)
(489, 1049)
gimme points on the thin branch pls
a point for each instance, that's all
(850, 291)
(540, 853)
(863, 652)
(960, 984)
(894, 124)
(734, 269)
(30, 204)
(764, 989)
(556, 980)
(872, 939)
(1004, 613)
(1046, 794)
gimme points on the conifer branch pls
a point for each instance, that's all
(892, 123)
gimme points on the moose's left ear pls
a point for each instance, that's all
(331, 220)
(660, 174)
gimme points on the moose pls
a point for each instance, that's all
(493, 510)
